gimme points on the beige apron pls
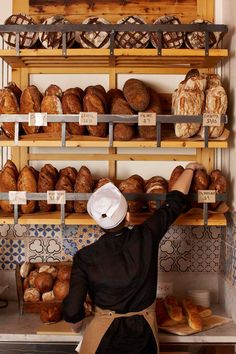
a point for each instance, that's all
(102, 320)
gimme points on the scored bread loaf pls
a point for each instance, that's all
(169, 39)
(96, 39)
(197, 40)
(15, 89)
(83, 184)
(47, 181)
(8, 105)
(27, 181)
(30, 101)
(70, 172)
(52, 105)
(64, 184)
(71, 104)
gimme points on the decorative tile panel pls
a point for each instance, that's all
(45, 231)
(205, 253)
(4, 230)
(44, 250)
(12, 252)
(174, 255)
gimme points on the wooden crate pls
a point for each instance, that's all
(32, 307)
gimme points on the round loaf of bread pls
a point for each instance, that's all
(32, 275)
(61, 289)
(27, 39)
(31, 295)
(196, 40)
(136, 94)
(50, 313)
(169, 39)
(48, 296)
(54, 39)
(134, 39)
(96, 39)
(43, 282)
(64, 273)
(49, 269)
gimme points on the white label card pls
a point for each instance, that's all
(88, 118)
(18, 198)
(206, 196)
(38, 119)
(211, 120)
(56, 197)
(147, 118)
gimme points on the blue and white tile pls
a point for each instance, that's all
(205, 254)
(20, 230)
(12, 252)
(45, 231)
(70, 247)
(70, 231)
(44, 250)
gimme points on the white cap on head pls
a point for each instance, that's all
(107, 206)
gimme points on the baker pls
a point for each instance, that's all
(119, 272)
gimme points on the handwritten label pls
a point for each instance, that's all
(56, 197)
(38, 119)
(147, 118)
(18, 198)
(211, 120)
(88, 118)
(206, 196)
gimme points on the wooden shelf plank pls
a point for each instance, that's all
(194, 217)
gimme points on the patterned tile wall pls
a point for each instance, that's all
(183, 249)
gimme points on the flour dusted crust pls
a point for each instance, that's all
(54, 39)
(216, 102)
(52, 105)
(169, 39)
(27, 39)
(30, 101)
(196, 82)
(196, 40)
(8, 105)
(132, 39)
(188, 102)
(96, 39)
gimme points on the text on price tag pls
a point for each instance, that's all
(88, 118)
(38, 119)
(206, 196)
(211, 120)
(147, 118)
(18, 198)
(56, 197)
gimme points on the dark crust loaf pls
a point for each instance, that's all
(178, 170)
(64, 184)
(71, 104)
(101, 182)
(8, 105)
(48, 176)
(219, 184)
(93, 103)
(133, 184)
(83, 184)
(27, 181)
(15, 89)
(123, 132)
(8, 182)
(76, 91)
(136, 94)
(70, 172)
(30, 101)
(200, 180)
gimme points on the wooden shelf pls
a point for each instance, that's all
(123, 59)
(194, 217)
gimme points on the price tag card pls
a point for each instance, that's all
(38, 119)
(211, 120)
(88, 118)
(56, 197)
(18, 198)
(206, 196)
(147, 118)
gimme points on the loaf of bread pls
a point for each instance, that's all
(64, 184)
(61, 289)
(50, 312)
(96, 39)
(178, 170)
(155, 185)
(174, 310)
(133, 39)
(15, 89)
(193, 317)
(93, 102)
(213, 80)
(75, 91)
(49, 269)
(43, 282)
(216, 102)
(200, 180)
(64, 273)
(123, 132)
(52, 40)
(48, 296)
(27, 181)
(169, 39)
(33, 274)
(83, 184)
(71, 104)
(47, 181)
(53, 90)
(136, 94)
(30, 101)
(101, 182)
(197, 40)
(52, 105)
(8, 105)
(218, 184)
(31, 295)
(195, 82)
(163, 319)
(133, 184)
(8, 182)
(70, 172)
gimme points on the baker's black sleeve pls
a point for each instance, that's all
(160, 221)
(73, 304)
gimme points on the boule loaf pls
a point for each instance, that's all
(96, 39)
(197, 40)
(136, 94)
(169, 39)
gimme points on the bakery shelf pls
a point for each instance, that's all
(123, 58)
(193, 217)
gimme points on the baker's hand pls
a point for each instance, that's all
(194, 166)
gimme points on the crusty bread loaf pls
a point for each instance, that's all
(133, 184)
(52, 105)
(136, 94)
(47, 180)
(101, 182)
(8, 105)
(155, 185)
(8, 182)
(64, 184)
(193, 317)
(15, 89)
(83, 184)
(200, 180)
(71, 104)
(177, 171)
(27, 182)
(117, 102)
(75, 91)
(163, 319)
(220, 186)
(214, 175)
(174, 310)
(93, 101)
(70, 172)
(30, 101)
(53, 90)
(123, 132)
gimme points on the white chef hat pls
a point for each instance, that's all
(107, 206)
